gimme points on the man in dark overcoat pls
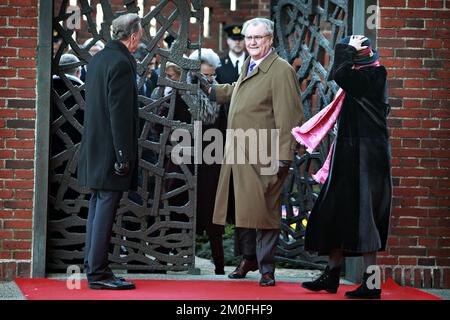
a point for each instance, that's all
(108, 153)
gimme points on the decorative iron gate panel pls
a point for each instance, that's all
(152, 231)
(305, 34)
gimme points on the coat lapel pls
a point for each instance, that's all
(263, 66)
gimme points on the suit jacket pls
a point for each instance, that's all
(111, 120)
(268, 98)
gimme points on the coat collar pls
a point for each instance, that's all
(264, 66)
(117, 45)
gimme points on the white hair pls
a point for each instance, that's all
(207, 56)
(256, 21)
(99, 43)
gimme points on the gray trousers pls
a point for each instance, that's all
(102, 211)
(260, 244)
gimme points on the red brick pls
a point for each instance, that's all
(22, 43)
(20, 144)
(8, 52)
(18, 204)
(22, 83)
(22, 63)
(7, 270)
(22, 255)
(28, 32)
(23, 22)
(403, 231)
(16, 245)
(26, 134)
(439, 232)
(18, 224)
(23, 174)
(23, 214)
(23, 194)
(6, 234)
(22, 235)
(23, 3)
(28, 12)
(6, 214)
(19, 184)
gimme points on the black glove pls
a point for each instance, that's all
(205, 85)
(121, 168)
(283, 168)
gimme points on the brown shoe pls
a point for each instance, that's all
(267, 280)
(242, 269)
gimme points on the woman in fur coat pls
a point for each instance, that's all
(352, 213)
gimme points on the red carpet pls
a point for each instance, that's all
(46, 289)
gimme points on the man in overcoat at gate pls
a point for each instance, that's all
(108, 151)
(266, 97)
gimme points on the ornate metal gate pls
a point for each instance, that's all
(306, 32)
(151, 232)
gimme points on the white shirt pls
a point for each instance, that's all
(233, 59)
(258, 62)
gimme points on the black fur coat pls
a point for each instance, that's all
(353, 209)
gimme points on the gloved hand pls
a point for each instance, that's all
(283, 168)
(205, 85)
(121, 168)
(356, 42)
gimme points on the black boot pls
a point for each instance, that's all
(363, 292)
(217, 253)
(328, 281)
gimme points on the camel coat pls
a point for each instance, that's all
(268, 98)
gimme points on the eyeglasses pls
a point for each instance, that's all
(257, 38)
(213, 75)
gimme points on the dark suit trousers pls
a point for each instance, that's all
(260, 244)
(102, 211)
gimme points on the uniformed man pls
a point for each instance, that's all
(232, 63)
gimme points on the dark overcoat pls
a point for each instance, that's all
(353, 209)
(111, 125)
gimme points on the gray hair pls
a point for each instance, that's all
(255, 21)
(125, 25)
(68, 59)
(207, 56)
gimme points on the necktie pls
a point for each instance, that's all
(237, 66)
(251, 67)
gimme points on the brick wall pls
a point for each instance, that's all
(18, 41)
(414, 46)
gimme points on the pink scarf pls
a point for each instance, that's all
(312, 132)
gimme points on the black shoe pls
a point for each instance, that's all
(243, 268)
(363, 292)
(111, 284)
(219, 271)
(328, 281)
(267, 280)
(119, 278)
